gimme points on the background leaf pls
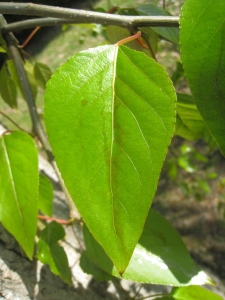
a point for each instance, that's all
(193, 293)
(183, 131)
(19, 188)
(178, 73)
(8, 88)
(169, 33)
(189, 123)
(89, 267)
(51, 253)
(29, 72)
(45, 197)
(115, 130)
(159, 258)
(189, 114)
(203, 56)
(42, 74)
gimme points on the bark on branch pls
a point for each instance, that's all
(80, 16)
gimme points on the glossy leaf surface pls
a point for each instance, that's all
(51, 253)
(109, 116)
(45, 198)
(203, 56)
(193, 293)
(160, 256)
(19, 188)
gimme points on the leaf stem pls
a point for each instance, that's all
(138, 291)
(11, 120)
(29, 37)
(149, 47)
(60, 221)
(129, 38)
(153, 296)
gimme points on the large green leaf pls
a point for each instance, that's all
(51, 253)
(19, 188)
(202, 38)
(193, 293)
(109, 115)
(160, 256)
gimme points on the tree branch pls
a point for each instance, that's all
(83, 16)
(32, 23)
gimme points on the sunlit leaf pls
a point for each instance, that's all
(2, 50)
(193, 293)
(185, 163)
(19, 188)
(109, 116)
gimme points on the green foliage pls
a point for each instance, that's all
(202, 54)
(45, 197)
(193, 125)
(89, 267)
(42, 74)
(119, 133)
(189, 159)
(110, 117)
(19, 188)
(193, 293)
(8, 88)
(51, 253)
(160, 256)
(170, 34)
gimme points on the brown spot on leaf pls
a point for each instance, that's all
(84, 102)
